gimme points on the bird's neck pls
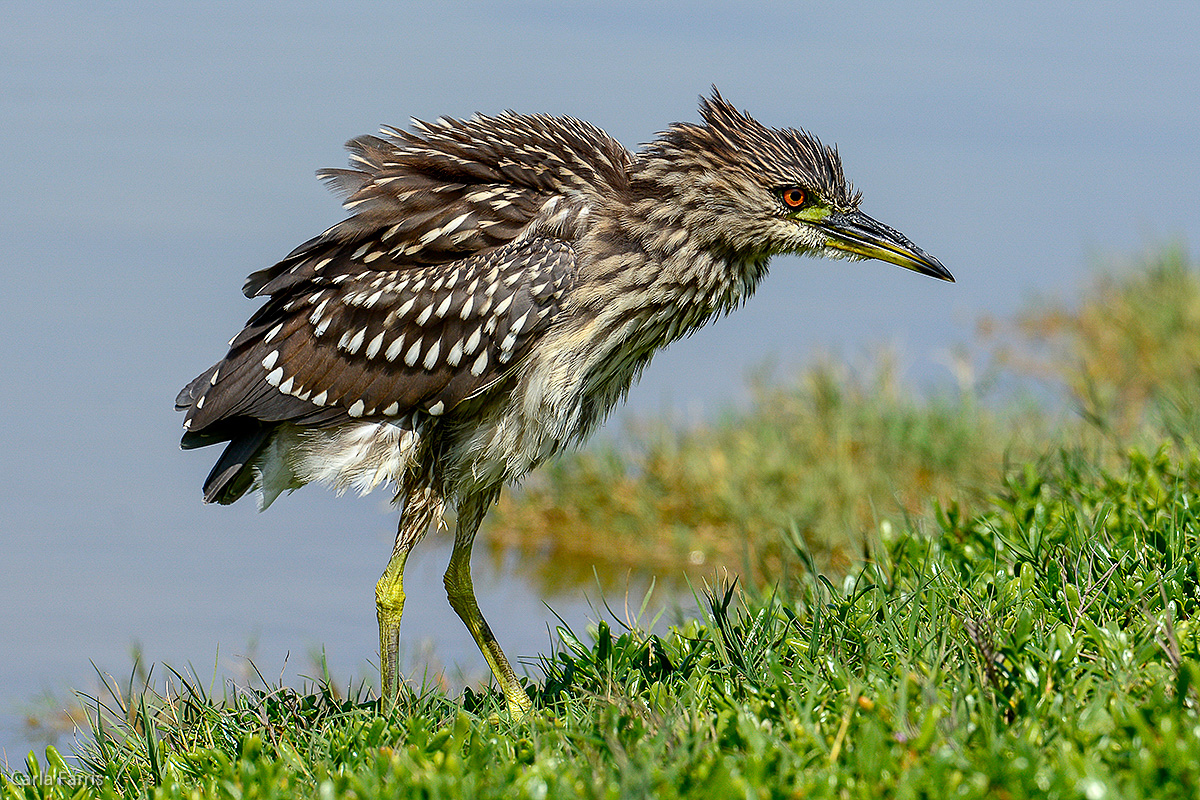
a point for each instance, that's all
(644, 283)
(664, 262)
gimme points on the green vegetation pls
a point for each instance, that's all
(825, 456)
(940, 598)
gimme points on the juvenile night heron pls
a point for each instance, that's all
(499, 285)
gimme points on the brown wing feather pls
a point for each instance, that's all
(387, 342)
(451, 198)
(453, 188)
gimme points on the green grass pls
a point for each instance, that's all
(938, 600)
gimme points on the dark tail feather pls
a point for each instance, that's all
(189, 393)
(230, 478)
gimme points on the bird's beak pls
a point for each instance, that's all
(855, 232)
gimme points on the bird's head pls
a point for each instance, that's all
(756, 191)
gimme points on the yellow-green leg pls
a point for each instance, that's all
(389, 607)
(461, 593)
(420, 509)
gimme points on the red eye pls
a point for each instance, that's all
(794, 197)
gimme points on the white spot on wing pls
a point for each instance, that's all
(270, 360)
(316, 314)
(405, 307)
(431, 357)
(376, 343)
(393, 351)
(355, 341)
(473, 341)
(410, 357)
(356, 410)
(480, 364)
(453, 224)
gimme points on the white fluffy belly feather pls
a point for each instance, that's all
(357, 455)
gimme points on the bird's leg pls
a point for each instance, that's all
(389, 607)
(420, 507)
(461, 593)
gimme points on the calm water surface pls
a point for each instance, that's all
(156, 154)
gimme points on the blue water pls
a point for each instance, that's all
(153, 155)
